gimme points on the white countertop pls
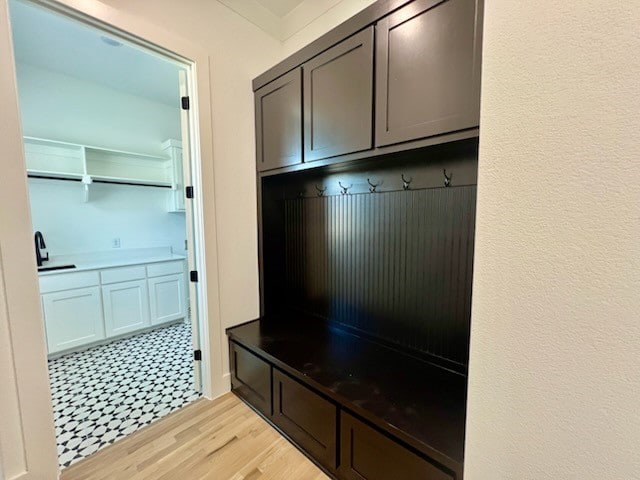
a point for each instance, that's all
(110, 259)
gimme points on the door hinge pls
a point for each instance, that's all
(185, 103)
(197, 355)
(189, 191)
(193, 275)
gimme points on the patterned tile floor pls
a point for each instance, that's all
(104, 393)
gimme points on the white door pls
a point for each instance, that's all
(192, 309)
(126, 307)
(167, 298)
(73, 318)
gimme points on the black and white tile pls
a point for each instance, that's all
(105, 393)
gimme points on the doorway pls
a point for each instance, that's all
(108, 148)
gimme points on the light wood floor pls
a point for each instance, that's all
(221, 439)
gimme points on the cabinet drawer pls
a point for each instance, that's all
(68, 281)
(306, 417)
(124, 274)
(165, 268)
(367, 454)
(251, 378)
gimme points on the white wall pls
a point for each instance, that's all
(27, 437)
(239, 51)
(136, 215)
(60, 107)
(338, 13)
(555, 346)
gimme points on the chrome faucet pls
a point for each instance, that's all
(39, 239)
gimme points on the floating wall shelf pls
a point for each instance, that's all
(68, 161)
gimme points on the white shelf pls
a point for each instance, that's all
(64, 160)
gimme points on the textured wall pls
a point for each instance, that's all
(555, 348)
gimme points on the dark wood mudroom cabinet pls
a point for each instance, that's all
(279, 122)
(428, 70)
(424, 59)
(338, 99)
(367, 144)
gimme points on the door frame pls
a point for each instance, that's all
(33, 432)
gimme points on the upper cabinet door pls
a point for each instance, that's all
(279, 122)
(338, 99)
(428, 70)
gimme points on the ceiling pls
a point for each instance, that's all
(50, 41)
(281, 18)
(280, 8)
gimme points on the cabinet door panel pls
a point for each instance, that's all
(126, 307)
(428, 70)
(306, 417)
(167, 298)
(250, 378)
(338, 99)
(366, 454)
(73, 318)
(279, 122)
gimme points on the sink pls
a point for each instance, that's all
(59, 267)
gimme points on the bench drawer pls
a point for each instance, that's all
(367, 454)
(306, 417)
(250, 378)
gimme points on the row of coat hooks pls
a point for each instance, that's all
(406, 184)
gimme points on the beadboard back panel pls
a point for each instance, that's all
(394, 265)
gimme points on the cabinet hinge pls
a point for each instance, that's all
(189, 191)
(197, 355)
(185, 103)
(193, 275)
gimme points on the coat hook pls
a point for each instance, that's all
(373, 186)
(345, 190)
(406, 182)
(320, 190)
(447, 179)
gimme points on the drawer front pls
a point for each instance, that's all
(124, 274)
(367, 454)
(250, 378)
(306, 417)
(68, 281)
(165, 268)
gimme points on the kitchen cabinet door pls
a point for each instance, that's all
(278, 112)
(126, 307)
(338, 99)
(73, 318)
(173, 149)
(167, 298)
(428, 70)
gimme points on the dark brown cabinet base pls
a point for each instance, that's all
(351, 406)
(366, 453)
(250, 378)
(306, 417)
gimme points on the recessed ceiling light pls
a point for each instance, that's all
(110, 41)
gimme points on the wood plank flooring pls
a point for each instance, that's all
(221, 439)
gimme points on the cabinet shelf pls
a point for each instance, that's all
(87, 163)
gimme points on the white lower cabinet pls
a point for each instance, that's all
(73, 318)
(126, 307)
(84, 308)
(167, 298)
